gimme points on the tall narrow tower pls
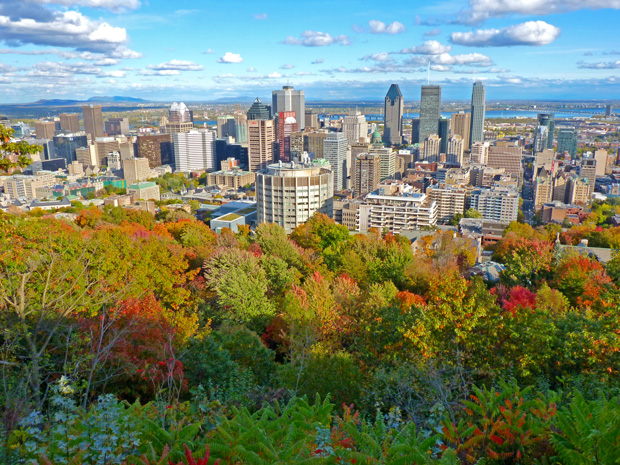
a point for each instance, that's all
(430, 104)
(477, 112)
(93, 120)
(393, 116)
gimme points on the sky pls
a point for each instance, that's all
(203, 50)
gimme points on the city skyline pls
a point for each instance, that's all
(84, 48)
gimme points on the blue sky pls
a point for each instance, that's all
(205, 50)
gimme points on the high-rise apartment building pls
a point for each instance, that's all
(444, 131)
(609, 111)
(289, 194)
(241, 128)
(287, 125)
(478, 107)
(105, 145)
(289, 99)
(600, 156)
(315, 143)
(544, 138)
(117, 127)
(157, 149)
(261, 141)
(388, 160)
(393, 116)
(355, 127)
(430, 105)
(93, 121)
(460, 124)
(70, 122)
(507, 157)
(136, 170)
(335, 152)
(455, 150)
(195, 150)
(480, 153)
(498, 203)
(450, 202)
(365, 173)
(45, 129)
(431, 150)
(259, 110)
(567, 141)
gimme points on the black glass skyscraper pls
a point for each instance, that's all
(393, 116)
(258, 110)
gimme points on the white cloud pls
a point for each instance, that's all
(178, 65)
(230, 58)
(430, 47)
(432, 32)
(304, 73)
(260, 16)
(287, 66)
(113, 74)
(480, 10)
(382, 56)
(66, 29)
(318, 61)
(161, 72)
(528, 33)
(274, 75)
(600, 65)
(208, 51)
(468, 59)
(251, 69)
(441, 68)
(113, 5)
(379, 27)
(106, 62)
(317, 39)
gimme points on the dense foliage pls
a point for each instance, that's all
(128, 340)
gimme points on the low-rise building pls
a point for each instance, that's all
(145, 190)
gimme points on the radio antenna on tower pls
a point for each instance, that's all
(429, 73)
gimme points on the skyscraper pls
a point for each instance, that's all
(430, 104)
(93, 120)
(355, 127)
(117, 126)
(44, 129)
(444, 131)
(261, 141)
(478, 96)
(65, 146)
(335, 152)
(194, 150)
(567, 141)
(460, 124)
(258, 110)
(157, 149)
(287, 125)
(289, 99)
(366, 173)
(179, 113)
(226, 126)
(70, 122)
(393, 116)
(545, 120)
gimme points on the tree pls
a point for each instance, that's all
(14, 154)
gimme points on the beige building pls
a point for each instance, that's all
(507, 157)
(480, 153)
(579, 190)
(588, 169)
(450, 202)
(355, 128)
(261, 140)
(316, 142)
(93, 120)
(455, 150)
(87, 156)
(543, 189)
(460, 124)
(136, 170)
(366, 173)
(297, 144)
(601, 162)
(388, 160)
(432, 148)
(498, 204)
(289, 194)
(144, 191)
(232, 179)
(70, 122)
(45, 129)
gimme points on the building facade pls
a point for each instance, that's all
(355, 128)
(365, 173)
(335, 152)
(289, 194)
(289, 99)
(261, 143)
(478, 107)
(70, 122)
(393, 116)
(93, 120)
(195, 151)
(430, 105)
(460, 124)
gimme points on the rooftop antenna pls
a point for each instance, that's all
(429, 72)
(475, 75)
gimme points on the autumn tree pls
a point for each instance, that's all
(14, 154)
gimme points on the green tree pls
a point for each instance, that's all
(14, 154)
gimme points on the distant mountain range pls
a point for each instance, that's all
(104, 99)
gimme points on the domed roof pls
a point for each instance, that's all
(376, 137)
(290, 120)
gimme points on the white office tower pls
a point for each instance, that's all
(456, 148)
(355, 128)
(335, 152)
(480, 152)
(195, 150)
(289, 99)
(289, 194)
